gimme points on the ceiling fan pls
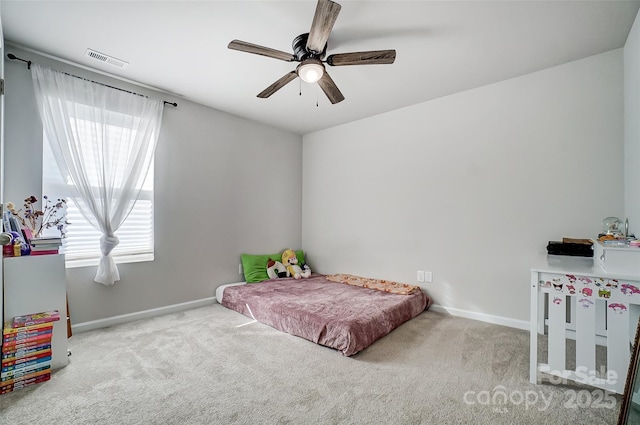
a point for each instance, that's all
(310, 48)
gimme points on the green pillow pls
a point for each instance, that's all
(255, 266)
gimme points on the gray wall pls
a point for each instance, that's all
(632, 127)
(223, 185)
(470, 186)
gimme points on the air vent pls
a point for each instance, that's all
(106, 59)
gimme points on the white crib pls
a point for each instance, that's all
(571, 297)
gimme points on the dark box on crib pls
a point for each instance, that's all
(573, 249)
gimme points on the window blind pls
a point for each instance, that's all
(82, 243)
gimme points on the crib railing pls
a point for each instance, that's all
(592, 310)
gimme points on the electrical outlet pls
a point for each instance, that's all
(240, 268)
(428, 276)
(420, 276)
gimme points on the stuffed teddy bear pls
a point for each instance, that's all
(290, 261)
(275, 269)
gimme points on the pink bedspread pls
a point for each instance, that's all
(347, 318)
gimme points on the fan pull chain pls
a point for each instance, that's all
(300, 82)
(317, 90)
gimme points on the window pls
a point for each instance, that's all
(103, 139)
(82, 244)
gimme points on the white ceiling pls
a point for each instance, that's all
(443, 47)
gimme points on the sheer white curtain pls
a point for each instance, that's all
(103, 141)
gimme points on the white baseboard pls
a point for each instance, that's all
(145, 314)
(483, 317)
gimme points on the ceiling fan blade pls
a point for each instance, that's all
(243, 46)
(323, 20)
(330, 89)
(286, 79)
(362, 58)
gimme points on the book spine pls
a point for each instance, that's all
(46, 241)
(34, 319)
(26, 335)
(25, 370)
(37, 380)
(15, 225)
(20, 385)
(14, 345)
(34, 374)
(8, 349)
(44, 247)
(14, 361)
(8, 330)
(6, 221)
(25, 352)
(45, 252)
(27, 364)
(28, 235)
(25, 379)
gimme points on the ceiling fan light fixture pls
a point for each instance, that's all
(309, 49)
(310, 70)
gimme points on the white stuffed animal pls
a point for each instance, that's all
(275, 269)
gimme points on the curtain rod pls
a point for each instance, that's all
(11, 56)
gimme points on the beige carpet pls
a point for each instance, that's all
(202, 367)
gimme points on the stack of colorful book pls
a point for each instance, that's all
(45, 245)
(26, 350)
